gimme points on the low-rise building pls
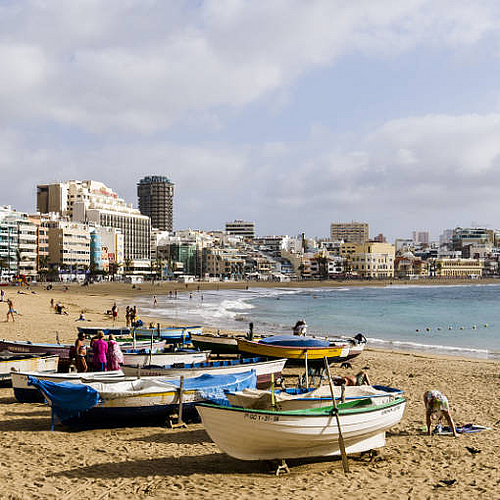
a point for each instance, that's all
(370, 260)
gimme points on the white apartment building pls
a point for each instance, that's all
(69, 244)
(93, 202)
(18, 243)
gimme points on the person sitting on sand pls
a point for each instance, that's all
(361, 378)
(436, 404)
(100, 350)
(82, 317)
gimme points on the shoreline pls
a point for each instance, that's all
(78, 298)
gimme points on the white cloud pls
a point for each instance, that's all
(143, 66)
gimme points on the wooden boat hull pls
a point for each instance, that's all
(263, 369)
(25, 393)
(177, 334)
(315, 355)
(107, 330)
(269, 435)
(215, 343)
(19, 362)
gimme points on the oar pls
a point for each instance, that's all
(345, 464)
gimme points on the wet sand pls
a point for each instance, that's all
(157, 462)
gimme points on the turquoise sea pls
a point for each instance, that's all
(462, 319)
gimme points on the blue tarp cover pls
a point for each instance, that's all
(294, 341)
(67, 400)
(215, 387)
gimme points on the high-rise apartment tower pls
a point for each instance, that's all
(350, 232)
(156, 199)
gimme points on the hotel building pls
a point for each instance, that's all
(93, 202)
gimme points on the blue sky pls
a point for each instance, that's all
(291, 114)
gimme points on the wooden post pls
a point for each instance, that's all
(343, 393)
(151, 350)
(158, 329)
(179, 423)
(345, 464)
(307, 373)
(273, 401)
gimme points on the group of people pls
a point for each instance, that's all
(106, 354)
(131, 317)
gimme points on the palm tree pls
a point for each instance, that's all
(128, 264)
(159, 264)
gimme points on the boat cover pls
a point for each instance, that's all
(294, 341)
(210, 387)
(67, 400)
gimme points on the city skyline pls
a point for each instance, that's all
(290, 115)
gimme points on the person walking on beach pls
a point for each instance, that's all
(436, 405)
(52, 303)
(81, 353)
(114, 354)
(155, 301)
(2, 295)
(100, 350)
(11, 310)
(114, 312)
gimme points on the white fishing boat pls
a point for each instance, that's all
(301, 399)
(264, 369)
(140, 399)
(13, 361)
(25, 393)
(266, 435)
(133, 358)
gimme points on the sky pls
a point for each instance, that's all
(292, 114)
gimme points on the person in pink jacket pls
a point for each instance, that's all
(100, 350)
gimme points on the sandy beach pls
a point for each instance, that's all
(157, 462)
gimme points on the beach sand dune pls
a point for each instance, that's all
(157, 462)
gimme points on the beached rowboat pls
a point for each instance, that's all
(301, 399)
(134, 358)
(295, 348)
(267, 435)
(10, 361)
(25, 393)
(105, 404)
(263, 367)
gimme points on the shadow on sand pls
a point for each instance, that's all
(179, 437)
(25, 424)
(213, 463)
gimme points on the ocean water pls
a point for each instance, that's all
(462, 319)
